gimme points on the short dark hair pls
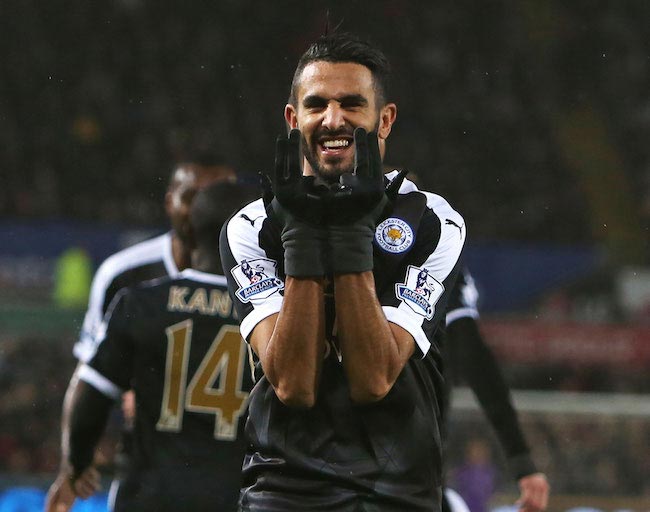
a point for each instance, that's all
(206, 158)
(346, 47)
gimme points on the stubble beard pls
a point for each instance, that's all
(329, 173)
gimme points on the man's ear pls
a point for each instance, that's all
(290, 116)
(387, 117)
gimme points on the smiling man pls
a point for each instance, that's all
(351, 275)
(328, 100)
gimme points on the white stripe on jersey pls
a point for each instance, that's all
(441, 261)
(203, 277)
(457, 313)
(242, 233)
(405, 320)
(99, 382)
(143, 253)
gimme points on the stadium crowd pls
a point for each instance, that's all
(87, 129)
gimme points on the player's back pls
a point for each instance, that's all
(189, 369)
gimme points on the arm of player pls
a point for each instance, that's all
(86, 414)
(61, 496)
(291, 343)
(374, 351)
(473, 359)
(89, 414)
(88, 418)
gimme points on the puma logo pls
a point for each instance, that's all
(451, 222)
(252, 221)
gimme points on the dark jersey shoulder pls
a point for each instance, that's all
(143, 261)
(132, 277)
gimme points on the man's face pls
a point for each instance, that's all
(188, 179)
(332, 100)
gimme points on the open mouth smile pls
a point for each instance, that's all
(335, 146)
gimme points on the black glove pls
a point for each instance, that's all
(297, 209)
(354, 206)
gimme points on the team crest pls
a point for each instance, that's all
(257, 279)
(394, 235)
(420, 291)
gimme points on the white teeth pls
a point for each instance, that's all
(338, 143)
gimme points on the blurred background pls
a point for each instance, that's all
(531, 117)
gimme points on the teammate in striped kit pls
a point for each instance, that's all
(176, 342)
(164, 255)
(340, 280)
(467, 356)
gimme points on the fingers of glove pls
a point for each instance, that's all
(361, 156)
(293, 157)
(280, 161)
(367, 157)
(376, 169)
(287, 182)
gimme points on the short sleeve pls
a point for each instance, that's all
(417, 298)
(111, 368)
(252, 265)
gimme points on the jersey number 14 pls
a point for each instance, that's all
(224, 360)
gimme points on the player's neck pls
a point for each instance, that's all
(180, 253)
(207, 261)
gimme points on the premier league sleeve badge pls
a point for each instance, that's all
(257, 279)
(420, 291)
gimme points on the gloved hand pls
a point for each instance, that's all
(297, 209)
(355, 204)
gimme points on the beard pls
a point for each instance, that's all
(331, 171)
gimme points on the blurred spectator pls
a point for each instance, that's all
(30, 403)
(487, 84)
(475, 478)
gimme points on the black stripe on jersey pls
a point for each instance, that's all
(270, 242)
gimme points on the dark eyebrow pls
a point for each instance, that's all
(353, 99)
(314, 100)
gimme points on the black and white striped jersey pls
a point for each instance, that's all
(338, 455)
(143, 261)
(176, 343)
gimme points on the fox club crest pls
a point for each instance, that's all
(394, 235)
